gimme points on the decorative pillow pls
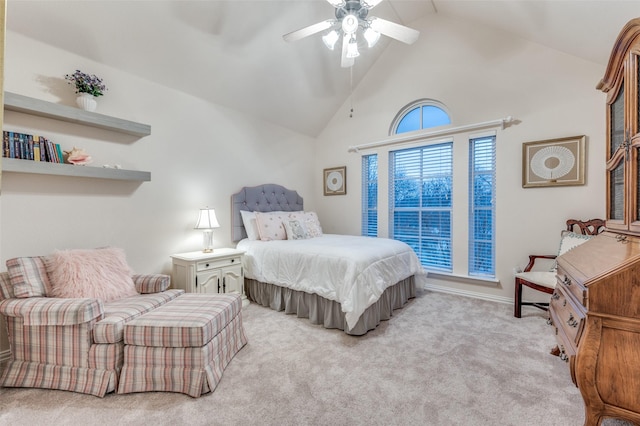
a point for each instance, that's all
(28, 276)
(295, 229)
(95, 273)
(312, 224)
(250, 225)
(570, 240)
(270, 224)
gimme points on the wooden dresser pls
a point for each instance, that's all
(595, 308)
(595, 311)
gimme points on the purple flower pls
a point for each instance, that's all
(86, 83)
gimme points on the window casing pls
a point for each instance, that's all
(482, 189)
(418, 193)
(420, 200)
(370, 195)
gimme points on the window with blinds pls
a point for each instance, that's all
(421, 183)
(482, 188)
(370, 195)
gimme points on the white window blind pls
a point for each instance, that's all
(370, 195)
(482, 188)
(421, 183)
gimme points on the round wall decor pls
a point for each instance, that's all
(335, 181)
(552, 162)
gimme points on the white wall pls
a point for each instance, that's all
(198, 155)
(480, 74)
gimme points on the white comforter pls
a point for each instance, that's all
(351, 270)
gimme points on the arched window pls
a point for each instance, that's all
(420, 201)
(421, 114)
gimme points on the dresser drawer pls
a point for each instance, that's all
(568, 349)
(206, 265)
(572, 286)
(567, 315)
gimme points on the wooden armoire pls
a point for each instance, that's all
(595, 309)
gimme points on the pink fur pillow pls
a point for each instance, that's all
(95, 273)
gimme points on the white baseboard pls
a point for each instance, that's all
(466, 293)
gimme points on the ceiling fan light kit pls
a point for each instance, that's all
(330, 39)
(371, 36)
(352, 48)
(351, 16)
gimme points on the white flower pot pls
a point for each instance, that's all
(87, 101)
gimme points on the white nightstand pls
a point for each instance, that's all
(217, 272)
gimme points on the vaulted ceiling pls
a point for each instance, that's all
(232, 52)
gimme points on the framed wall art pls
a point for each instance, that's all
(335, 181)
(554, 162)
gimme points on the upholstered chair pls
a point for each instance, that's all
(543, 279)
(69, 343)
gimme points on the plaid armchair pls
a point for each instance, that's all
(65, 343)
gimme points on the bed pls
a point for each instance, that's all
(351, 283)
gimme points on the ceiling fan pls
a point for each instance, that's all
(351, 16)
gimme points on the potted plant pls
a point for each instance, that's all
(88, 87)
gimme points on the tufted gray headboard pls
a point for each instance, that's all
(262, 198)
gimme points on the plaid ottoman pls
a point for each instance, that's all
(182, 346)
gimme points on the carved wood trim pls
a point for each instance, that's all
(625, 39)
(586, 227)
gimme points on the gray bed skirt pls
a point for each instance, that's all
(328, 312)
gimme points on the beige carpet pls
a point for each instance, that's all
(441, 360)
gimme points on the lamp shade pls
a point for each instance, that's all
(330, 39)
(352, 48)
(207, 219)
(371, 36)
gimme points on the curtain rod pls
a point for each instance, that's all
(501, 122)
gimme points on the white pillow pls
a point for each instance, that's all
(270, 224)
(295, 229)
(250, 225)
(312, 224)
(570, 240)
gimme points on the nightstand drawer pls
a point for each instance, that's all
(206, 265)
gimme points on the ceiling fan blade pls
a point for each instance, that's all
(393, 30)
(370, 4)
(310, 30)
(336, 3)
(346, 62)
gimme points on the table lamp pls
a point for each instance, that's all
(207, 221)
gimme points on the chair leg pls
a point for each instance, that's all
(517, 300)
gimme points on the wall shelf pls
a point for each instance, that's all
(37, 107)
(45, 168)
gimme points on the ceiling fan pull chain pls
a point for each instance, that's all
(351, 91)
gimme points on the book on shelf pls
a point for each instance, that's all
(43, 148)
(51, 154)
(36, 148)
(16, 145)
(6, 150)
(59, 154)
(30, 147)
(12, 146)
